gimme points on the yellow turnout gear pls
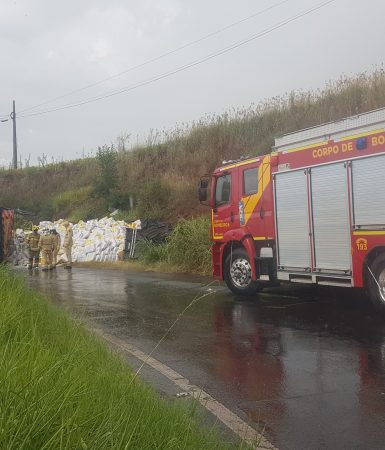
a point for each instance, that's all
(32, 241)
(57, 243)
(67, 244)
(46, 245)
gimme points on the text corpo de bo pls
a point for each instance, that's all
(344, 147)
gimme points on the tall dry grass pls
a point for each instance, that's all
(161, 176)
(176, 158)
(36, 188)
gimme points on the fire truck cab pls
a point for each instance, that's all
(312, 211)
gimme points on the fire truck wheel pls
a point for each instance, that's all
(237, 273)
(376, 282)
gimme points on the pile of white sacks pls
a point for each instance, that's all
(94, 240)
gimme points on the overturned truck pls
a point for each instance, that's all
(6, 232)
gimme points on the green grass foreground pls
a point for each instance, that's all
(60, 388)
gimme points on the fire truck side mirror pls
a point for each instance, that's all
(203, 190)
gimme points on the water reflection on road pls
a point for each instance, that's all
(306, 364)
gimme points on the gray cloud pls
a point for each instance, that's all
(50, 48)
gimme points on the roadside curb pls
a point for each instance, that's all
(227, 417)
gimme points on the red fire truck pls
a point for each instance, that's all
(312, 211)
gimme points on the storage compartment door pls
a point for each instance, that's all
(368, 180)
(292, 220)
(331, 228)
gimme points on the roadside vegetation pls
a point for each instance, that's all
(187, 249)
(60, 388)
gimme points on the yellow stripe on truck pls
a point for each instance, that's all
(369, 233)
(251, 201)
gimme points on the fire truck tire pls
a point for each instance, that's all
(237, 273)
(376, 282)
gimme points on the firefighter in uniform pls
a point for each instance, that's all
(67, 244)
(46, 245)
(57, 243)
(33, 248)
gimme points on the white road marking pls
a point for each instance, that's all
(231, 420)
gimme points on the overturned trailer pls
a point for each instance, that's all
(7, 217)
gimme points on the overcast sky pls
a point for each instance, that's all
(50, 48)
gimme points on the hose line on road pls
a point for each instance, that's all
(374, 278)
(209, 291)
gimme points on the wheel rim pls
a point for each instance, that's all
(240, 273)
(381, 285)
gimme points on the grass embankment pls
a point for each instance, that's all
(160, 177)
(60, 388)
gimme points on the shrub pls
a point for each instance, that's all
(107, 180)
(188, 246)
(151, 253)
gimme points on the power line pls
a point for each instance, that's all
(157, 58)
(186, 66)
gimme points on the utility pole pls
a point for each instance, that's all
(13, 117)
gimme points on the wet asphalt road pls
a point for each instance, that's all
(306, 364)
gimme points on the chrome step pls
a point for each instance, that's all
(301, 280)
(341, 283)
